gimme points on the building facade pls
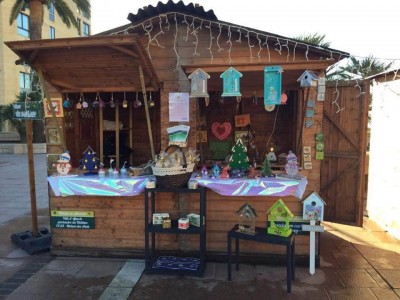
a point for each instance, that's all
(15, 78)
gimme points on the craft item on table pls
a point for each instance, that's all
(192, 157)
(247, 219)
(266, 168)
(221, 131)
(151, 184)
(198, 85)
(102, 172)
(115, 173)
(239, 159)
(282, 158)
(183, 223)
(178, 135)
(110, 169)
(224, 173)
(231, 83)
(271, 155)
(204, 172)
(215, 171)
(158, 217)
(63, 165)
(194, 219)
(123, 170)
(166, 223)
(252, 172)
(291, 166)
(272, 85)
(278, 212)
(284, 98)
(237, 173)
(89, 162)
(163, 160)
(308, 79)
(193, 184)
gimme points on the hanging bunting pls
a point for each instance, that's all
(272, 85)
(231, 83)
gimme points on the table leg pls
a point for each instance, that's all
(289, 268)
(229, 258)
(293, 260)
(237, 254)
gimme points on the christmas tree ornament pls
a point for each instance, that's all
(266, 168)
(83, 100)
(96, 103)
(137, 103)
(63, 163)
(89, 162)
(67, 103)
(151, 102)
(239, 160)
(112, 103)
(125, 102)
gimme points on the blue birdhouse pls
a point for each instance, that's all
(231, 83)
(272, 85)
(308, 78)
(198, 85)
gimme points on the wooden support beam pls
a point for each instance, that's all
(65, 85)
(124, 50)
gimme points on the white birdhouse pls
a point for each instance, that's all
(313, 207)
(308, 78)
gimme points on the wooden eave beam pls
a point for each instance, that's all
(62, 84)
(304, 65)
(100, 89)
(125, 51)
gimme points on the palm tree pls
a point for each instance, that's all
(36, 13)
(314, 38)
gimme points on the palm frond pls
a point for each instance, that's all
(83, 6)
(16, 9)
(65, 13)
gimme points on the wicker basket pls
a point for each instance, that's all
(175, 177)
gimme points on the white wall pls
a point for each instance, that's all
(384, 166)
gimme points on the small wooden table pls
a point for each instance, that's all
(262, 236)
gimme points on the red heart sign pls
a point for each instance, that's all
(221, 131)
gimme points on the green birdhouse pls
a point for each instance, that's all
(231, 83)
(279, 212)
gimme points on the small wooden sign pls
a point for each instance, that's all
(68, 219)
(272, 85)
(315, 228)
(58, 108)
(31, 110)
(242, 120)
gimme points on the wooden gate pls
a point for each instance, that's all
(342, 170)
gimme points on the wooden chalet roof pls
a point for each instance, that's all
(90, 64)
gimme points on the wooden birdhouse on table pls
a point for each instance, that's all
(231, 83)
(247, 219)
(313, 207)
(198, 85)
(308, 78)
(278, 212)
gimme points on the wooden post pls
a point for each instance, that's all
(117, 134)
(31, 167)
(101, 135)
(312, 249)
(130, 107)
(146, 108)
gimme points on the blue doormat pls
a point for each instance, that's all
(177, 263)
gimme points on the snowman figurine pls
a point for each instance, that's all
(291, 166)
(63, 166)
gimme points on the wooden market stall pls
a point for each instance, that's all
(168, 43)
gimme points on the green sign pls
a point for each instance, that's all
(72, 219)
(32, 110)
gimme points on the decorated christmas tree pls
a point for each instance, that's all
(89, 161)
(239, 159)
(266, 168)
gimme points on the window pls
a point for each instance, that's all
(24, 82)
(51, 11)
(86, 15)
(86, 29)
(52, 32)
(78, 21)
(23, 25)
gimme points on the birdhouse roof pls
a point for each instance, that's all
(282, 205)
(231, 69)
(309, 74)
(247, 207)
(89, 149)
(313, 196)
(197, 72)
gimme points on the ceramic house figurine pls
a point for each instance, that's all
(313, 207)
(247, 219)
(279, 212)
(308, 78)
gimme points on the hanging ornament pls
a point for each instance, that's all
(67, 103)
(272, 85)
(254, 98)
(96, 103)
(84, 103)
(198, 85)
(101, 102)
(79, 104)
(151, 102)
(231, 83)
(137, 103)
(112, 103)
(283, 98)
(124, 102)
(221, 131)
(308, 78)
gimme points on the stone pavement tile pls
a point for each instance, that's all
(351, 294)
(129, 275)
(370, 225)
(269, 274)
(356, 278)
(384, 294)
(350, 261)
(246, 273)
(209, 272)
(65, 266)
(392, 277)
(327, 260)
(322, 276)
(378, 278)
(330, 226)
(116, 293)
(385, 260)
(397, 291)
(100, 268)
(221, 271)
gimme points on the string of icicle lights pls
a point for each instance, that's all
(156, 26)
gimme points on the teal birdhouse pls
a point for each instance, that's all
(198, 85)
(272, 85)
(231, 83)
(308, 78)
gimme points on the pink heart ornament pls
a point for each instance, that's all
(221, 131)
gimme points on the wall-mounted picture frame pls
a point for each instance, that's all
(242, 120)
(243, 135)
(307, 157)
(202, 136)
(307, 149)
(52, 136)
(58, 108)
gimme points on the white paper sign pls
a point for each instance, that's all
(179, 107)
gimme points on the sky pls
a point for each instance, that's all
(353, 26)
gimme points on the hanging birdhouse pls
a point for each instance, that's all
(247, 219)
(231, 83)
(198, 85)
(308, 78)
(279, 212)
(272, 85)
(313, 207)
